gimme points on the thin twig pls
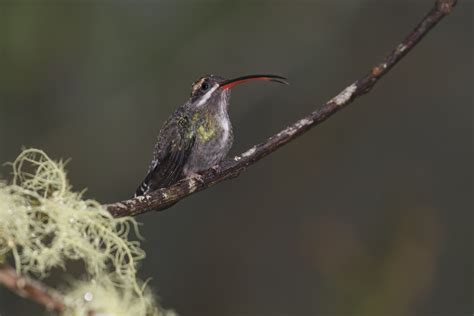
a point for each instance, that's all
(31, 289)
(163, 198)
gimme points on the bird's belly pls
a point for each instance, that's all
(209, 151)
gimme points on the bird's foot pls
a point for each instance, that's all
(216, 169)
(195, 176)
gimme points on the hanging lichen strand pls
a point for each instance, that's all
(44, 224)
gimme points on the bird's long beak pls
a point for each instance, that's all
(236, 81)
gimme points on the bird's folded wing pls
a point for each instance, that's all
(173, 150)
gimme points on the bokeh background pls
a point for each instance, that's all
(367, 214)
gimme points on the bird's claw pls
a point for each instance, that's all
(196, 177)
(216, 169)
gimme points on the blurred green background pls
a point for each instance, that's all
(368, 214)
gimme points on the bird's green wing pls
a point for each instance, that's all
(172, 150)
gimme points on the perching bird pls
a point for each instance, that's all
(198, 135)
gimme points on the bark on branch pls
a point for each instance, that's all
(31, 289)
(164, 198)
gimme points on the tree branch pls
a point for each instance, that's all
(164, 198)
(31, 289)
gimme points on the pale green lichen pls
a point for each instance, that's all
(44, 224)
(104, 298)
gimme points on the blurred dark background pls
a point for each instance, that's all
(367, 214)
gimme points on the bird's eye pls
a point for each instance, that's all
(204, 86)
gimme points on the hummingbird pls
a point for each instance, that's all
(198, 135)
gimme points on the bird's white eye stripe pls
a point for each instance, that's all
(206, 96)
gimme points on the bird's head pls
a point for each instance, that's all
(213, 89)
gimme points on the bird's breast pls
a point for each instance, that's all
(212, 143)
(214, 132)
